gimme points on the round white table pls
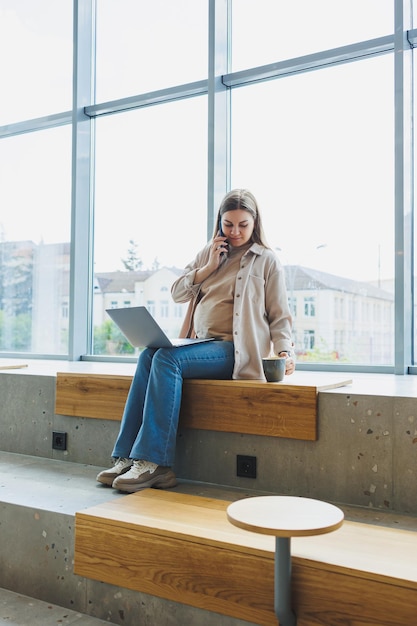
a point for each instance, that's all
(284, 517)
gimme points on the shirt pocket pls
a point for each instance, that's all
(256, 289)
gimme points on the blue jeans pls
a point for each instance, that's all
(150, 419)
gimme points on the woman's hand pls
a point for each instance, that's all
(217, 248)
(289, 363)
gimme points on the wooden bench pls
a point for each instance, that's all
(287, 409)
(181, 547)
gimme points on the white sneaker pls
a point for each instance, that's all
(144, 474)
(120, 466)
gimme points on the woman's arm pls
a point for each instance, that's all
(187, 286)
(206, 262)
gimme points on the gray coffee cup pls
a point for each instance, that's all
(274, 368)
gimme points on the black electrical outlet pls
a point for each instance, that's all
(59, 441)
(246, 466)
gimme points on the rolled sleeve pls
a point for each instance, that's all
(184, 288)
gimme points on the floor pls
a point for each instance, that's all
(19, 610)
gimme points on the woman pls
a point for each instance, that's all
(236, 290)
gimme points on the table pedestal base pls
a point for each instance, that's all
(282, 600)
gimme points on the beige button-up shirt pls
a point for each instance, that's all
(261, 316)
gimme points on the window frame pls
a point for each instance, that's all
(218, 87)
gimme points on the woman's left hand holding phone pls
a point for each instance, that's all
(218, 248)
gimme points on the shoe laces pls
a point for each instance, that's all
(140, 467)
(121, 463)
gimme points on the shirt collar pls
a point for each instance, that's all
(256, 248)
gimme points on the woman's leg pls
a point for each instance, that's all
(156, 438)
(133, 411)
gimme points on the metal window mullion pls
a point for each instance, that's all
(160, 96)
(403, 87)
(81, 230)
(218, 157)
(317, 60)
(33, 125)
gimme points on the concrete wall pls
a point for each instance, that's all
(37, 504)
(366, 453)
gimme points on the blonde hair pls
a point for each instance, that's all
(245, 200)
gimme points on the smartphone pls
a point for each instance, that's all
(221, 233)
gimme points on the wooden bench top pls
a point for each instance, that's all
(286, 409)
(183, 548)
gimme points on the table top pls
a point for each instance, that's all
(285, 516)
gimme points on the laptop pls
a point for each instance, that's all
(143, 331)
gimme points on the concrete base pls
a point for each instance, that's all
(39, 498)
(365, 457)
(365, 454)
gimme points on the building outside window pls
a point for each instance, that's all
(164, 308)
(309, 307)
(150, 305)
(292, 302)
(308, 340)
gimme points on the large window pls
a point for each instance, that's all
(35, 196)
(267, 31)
(143, 46)
(36, 53)
(150, 207)
(109, 182)
(320, 159)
